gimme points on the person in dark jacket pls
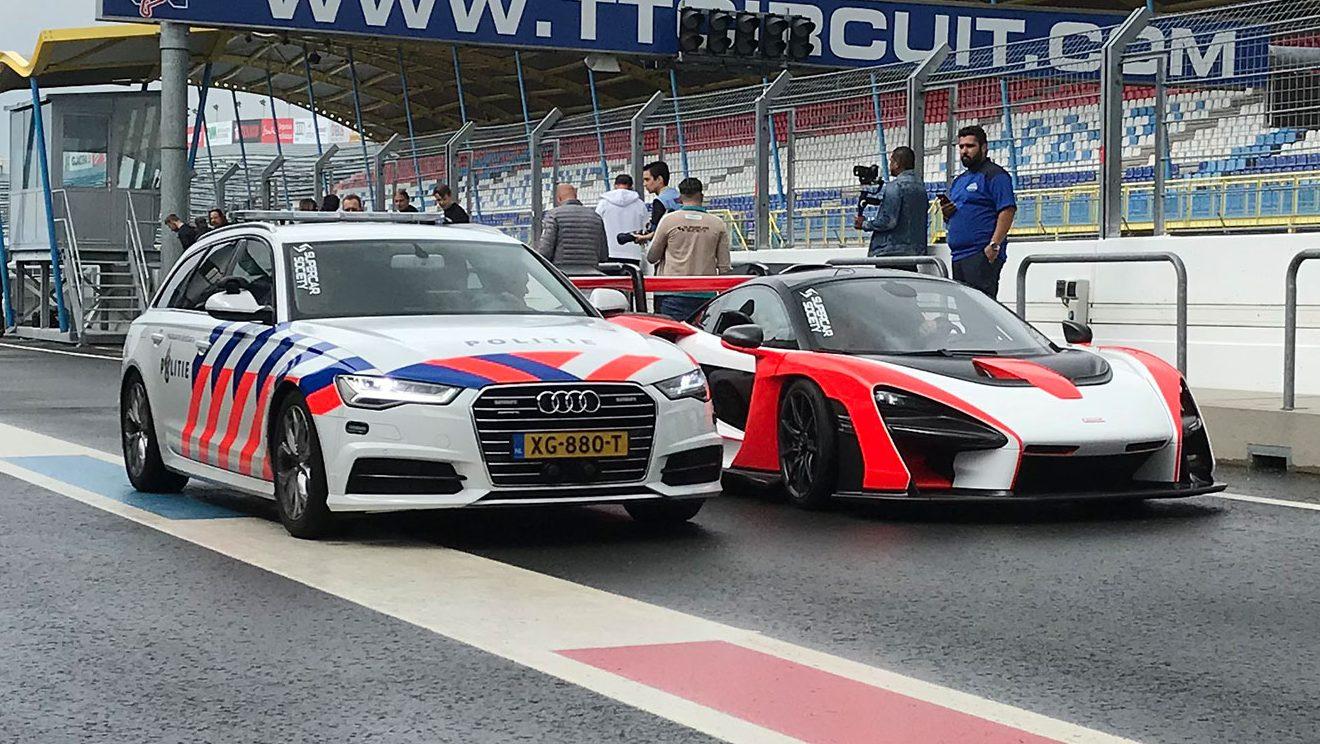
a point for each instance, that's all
(186, 233)
(403, 202)
(898, 226)
(573, 235)
(455, 214)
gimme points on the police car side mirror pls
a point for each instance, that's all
(239, 306)
(610, 301)
(744, 337)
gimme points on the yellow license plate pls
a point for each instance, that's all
(563, 444)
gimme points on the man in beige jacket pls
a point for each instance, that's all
(689, 242)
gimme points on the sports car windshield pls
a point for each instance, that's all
(886, 315)
(347, 279)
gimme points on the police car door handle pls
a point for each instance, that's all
(203, 345)
(157, 338)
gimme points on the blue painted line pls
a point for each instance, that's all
(109, 480)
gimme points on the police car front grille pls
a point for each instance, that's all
(505, 410)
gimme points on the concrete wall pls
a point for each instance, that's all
(1235, 298)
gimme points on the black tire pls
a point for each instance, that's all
(664, 512)
(137, 435)
(807, 452)
(299, 470)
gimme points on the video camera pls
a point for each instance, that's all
(869, 178)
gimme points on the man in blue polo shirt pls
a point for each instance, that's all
(978, 213)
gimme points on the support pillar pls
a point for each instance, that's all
(175, 59)
(538, 190)
(790, 192)
(763, 157)
(319, 170)
(1111, 122)
(916, 104)
(1161, 145)
(381, 197)
(637, 139)
(455, 143)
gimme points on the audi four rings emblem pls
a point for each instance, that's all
(568, 401)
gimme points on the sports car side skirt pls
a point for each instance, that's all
(1155, 491)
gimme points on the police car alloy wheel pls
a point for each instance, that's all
(300, 488)
(141, 450)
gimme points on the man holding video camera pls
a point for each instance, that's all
(899, 222)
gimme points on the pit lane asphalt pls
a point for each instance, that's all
(1183, 621)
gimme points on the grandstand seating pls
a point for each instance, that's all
(1056, 128)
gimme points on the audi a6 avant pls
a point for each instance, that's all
(376, 366)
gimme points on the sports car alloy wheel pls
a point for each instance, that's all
(142, 458)
(806, 446)
(300, 488)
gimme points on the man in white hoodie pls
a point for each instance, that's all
(624, 213)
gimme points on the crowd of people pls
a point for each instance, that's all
(676, 236)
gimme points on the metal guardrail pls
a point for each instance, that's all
(900, 261)
(1153, 257)
(1290, 327)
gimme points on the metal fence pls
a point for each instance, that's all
(1207, 120)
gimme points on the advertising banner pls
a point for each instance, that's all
(849, 33)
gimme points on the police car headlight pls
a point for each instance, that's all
(366, 391)
(687, 385)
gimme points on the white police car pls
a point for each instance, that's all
(374, 366)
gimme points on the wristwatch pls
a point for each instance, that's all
(993, 245)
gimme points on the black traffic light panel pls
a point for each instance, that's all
(745, 29)
(720, 22)
(689, 29)
(773, 29)
(799, 37)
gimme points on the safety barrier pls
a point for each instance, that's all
(1290, 327)
(634, 275)
(1060, 258)
(658, 284)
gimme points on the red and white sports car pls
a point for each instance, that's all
(883, 384)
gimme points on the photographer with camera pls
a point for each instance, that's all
(896, 216)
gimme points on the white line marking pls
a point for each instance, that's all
(1269, 501)
(61, 352)
(513, 612)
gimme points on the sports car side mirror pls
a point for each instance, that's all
(730, 318)
(610, 301)
(746, 336)
(240, 306)
(1076, 333)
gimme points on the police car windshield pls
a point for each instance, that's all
(885, 315)
(354, 278)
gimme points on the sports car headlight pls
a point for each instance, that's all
(687, 385)
(367, 391)
(912, 419)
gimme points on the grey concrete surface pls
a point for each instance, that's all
(113, 632)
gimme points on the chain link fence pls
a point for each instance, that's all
(1223, 105)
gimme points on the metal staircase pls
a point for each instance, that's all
(106, 286)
